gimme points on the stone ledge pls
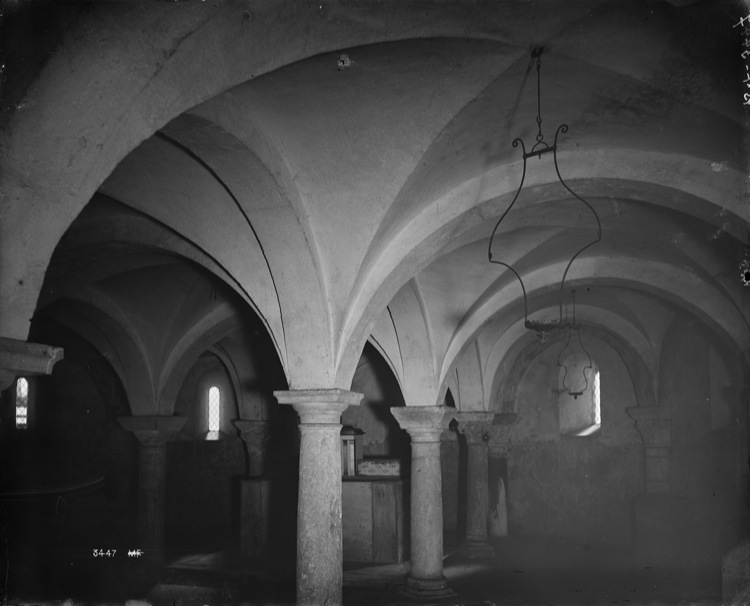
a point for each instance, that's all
(23, 358)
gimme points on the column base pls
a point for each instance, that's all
(426, 589)
(476, 549)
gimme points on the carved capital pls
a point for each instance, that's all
(424, 423)
(654, 423)
(319, 406)
(152, 430)
(254, 433)
(475, 425)
(500, 433)
(448, 435)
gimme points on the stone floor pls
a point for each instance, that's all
(523, 572)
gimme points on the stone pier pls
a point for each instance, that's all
(475, 427)
(425, 425)
(152, 433)
(320, 550)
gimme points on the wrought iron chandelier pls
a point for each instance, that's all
(573, 326)
(544, 328)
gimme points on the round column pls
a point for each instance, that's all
(475, 427)
(425, 425)
(152, 433)
(319, 537)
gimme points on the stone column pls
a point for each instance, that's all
(425, 424)
(152, 433)
(654, 423)
(499, 448)
(319, 537)
(449, 465)
(475, 427)
(254, 434)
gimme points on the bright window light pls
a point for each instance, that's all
(597, 405)
(214, 408)
(22, 403)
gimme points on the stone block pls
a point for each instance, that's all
(379, 467)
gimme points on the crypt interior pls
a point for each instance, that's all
(374, 302)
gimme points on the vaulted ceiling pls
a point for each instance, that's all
(340, 167)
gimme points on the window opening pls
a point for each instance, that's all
(22, 404)
(580, 414)
(214, 408)
(597, 403)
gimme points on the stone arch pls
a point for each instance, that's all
(529, 349)
(98, 322)
(684, 288)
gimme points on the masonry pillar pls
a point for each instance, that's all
(449, 459)
(254, 434)
(254, 490)
(660, 520)
(654, 423)
(152, 433)
(499, 449)
(319, 537)
(425, 425)
(475, 427)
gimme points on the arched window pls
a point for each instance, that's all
(22, 403)
(579, 399)
(214, 409)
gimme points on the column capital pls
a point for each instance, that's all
(475, 425)
(424, 423)
(654, 423)
(506, 418)
(152, 430)
(254, 431)
(448, 435)
(19, 358)
(319, 406)
(254, 435)
(500, 433)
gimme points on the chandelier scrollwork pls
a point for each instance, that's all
(543, 327)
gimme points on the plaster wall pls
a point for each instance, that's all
(702, 379)
(575, 489)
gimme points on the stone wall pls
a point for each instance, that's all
(576, 489)
(589, 489)
(202, 502)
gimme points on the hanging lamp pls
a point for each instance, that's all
(574, 327)
(543, 328)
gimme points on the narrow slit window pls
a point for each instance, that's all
(580, 413)
(597, 403)
(22, 404)
(214, 408)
